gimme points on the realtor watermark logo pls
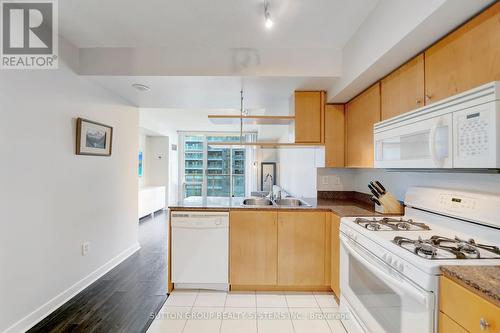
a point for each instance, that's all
(29, 34)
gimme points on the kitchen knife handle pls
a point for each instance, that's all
(375, 200)
(374, 192)
(380, 186)
(378, 189)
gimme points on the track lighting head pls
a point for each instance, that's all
(268, 22)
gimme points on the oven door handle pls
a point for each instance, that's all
(421, 297)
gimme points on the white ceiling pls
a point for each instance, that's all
(196, 55)
(272, 94)
(211, 23)
(168, 121)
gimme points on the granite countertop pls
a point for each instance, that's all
(340, 206)
(482, 280)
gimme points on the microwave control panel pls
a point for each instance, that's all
(473, 134)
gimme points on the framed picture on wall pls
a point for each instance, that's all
(93, 138)
(267, 170)
(140, 164)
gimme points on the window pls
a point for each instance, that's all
(213, 170)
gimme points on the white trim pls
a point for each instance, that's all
(43, 311)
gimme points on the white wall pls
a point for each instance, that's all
(298, 170)
(266, 155)
(158, 162)
(52, 200)
(398, 182)
(149, 120)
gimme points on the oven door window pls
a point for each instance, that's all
(383, 303)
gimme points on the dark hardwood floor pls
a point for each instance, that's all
(126, 298)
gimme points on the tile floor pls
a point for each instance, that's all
(247, 312)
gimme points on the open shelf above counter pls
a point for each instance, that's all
(251, 120)
(266, 144)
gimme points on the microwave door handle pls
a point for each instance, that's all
(432, 145)
(423, 298)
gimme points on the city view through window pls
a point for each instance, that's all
(214, 171)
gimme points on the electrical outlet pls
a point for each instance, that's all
(324, 180)
(337, 180)
(85, 248)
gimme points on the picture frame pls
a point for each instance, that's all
(265, 169)
(140, 165)
(93, 138)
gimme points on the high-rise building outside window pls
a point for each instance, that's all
(213, 170)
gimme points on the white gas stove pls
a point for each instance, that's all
(390, 266)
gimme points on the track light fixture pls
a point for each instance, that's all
(267, 16)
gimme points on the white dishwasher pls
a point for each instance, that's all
(200, 250)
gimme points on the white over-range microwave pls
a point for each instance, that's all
(460, 132)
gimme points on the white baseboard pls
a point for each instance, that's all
(43, 311)
(203, 286)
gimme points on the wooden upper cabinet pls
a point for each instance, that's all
(309, 116)
(362, 113)
(466, 58)
(334, 135)
(253, 247)
(301, 248)
(403, 89)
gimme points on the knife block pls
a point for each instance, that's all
(389, 205)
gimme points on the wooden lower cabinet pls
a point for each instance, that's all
(335, 254)
(281, 250)
(301, 248)
(447, 325)
(466, 309)
(253, 247)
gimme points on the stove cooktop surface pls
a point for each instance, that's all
(440, 247)
(428, 241)
(391, 224)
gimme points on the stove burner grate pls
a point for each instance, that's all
(438, 247)
(372, 226)
(391, 224)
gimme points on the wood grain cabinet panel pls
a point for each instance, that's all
(466, 58)
(447, 325)
(309, 116)
(301, 248)
(362, 113)
(403, 89)
(335, 254)
(468, 309)
(334, 135)
(253, 247)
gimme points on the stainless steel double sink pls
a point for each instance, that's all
(265, 202)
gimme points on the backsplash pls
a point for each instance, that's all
(398, 182)
(346, 195)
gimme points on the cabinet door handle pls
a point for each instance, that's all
(418, 102)
(484, 324)
(428, 98)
